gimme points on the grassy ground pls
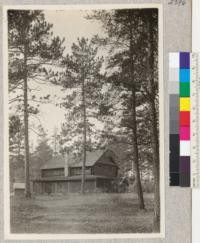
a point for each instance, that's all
(90, 213)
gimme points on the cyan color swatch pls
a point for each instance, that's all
(184, 75)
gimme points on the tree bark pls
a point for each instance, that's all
(134, 129)
(156, 167)
(26, 127)
(154, 129)
(135, 156)
(84, 139)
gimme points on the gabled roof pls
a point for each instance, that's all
(58, 161)
(91, 158)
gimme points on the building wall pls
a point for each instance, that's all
(75, 186)
(38, 187)
(78, 171)
(50, 187)
(104, 185)
(108, 170)
(19, 192)
(105, 166)
(63, 187)
(52, 172)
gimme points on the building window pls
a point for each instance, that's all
(53, 172)
(78, 171)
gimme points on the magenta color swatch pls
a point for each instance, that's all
(184, 133)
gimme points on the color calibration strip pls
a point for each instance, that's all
(179, 102)
(184, 94)
(184, 102)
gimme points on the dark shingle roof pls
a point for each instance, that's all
(58, 161)
(91, 158)
(55, 163)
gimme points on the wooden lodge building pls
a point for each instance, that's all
(63, 174)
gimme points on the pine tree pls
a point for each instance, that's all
(16, 131)
(124, 38)
(31, 45)
(43, 150)
(83, 79)
(42, 153)
(152, 25)
(133, 36)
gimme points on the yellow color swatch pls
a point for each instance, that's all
(184, 104)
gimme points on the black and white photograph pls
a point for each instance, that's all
(84, 120)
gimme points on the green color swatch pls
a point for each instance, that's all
(184, 89)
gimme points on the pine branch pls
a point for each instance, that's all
(15, 99)
(40, 82)
(13, 88)
(35, 132)
(33, 89)
(38, 101)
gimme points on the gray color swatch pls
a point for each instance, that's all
(174, 113)
(173, 87)
(174, 74)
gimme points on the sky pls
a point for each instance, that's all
(68, 24)
(72, 24)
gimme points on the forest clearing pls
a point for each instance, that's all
(74, 213)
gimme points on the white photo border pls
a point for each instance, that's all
(10, 236)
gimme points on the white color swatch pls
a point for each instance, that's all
(174, 60)
(184, 148)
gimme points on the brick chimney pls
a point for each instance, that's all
(66, 158)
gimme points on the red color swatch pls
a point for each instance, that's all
(184, 118)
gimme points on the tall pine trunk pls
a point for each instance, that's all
(135, 155)
(134, 129)
(26, 128)
(156, 167)
(84, 139)
(154, 128)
